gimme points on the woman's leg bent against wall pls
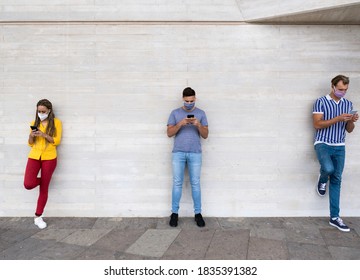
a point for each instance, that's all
(31, 179)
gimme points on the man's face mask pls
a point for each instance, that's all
(339, 93)
(189, 106)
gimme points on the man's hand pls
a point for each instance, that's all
(190, 120)
(355, 117)
(172, 130)
(203, 130)
(194, 121)
(345, 117)
(319, 123)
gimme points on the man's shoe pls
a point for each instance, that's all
(174, 220)
(338, 223)
(38, 221)
(321, 188)
(199, 220)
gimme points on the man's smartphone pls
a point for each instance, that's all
(190, 116)
(33, 128)
(353, 112)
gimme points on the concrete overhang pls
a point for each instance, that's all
(300, 12)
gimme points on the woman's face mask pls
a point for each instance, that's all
(43, 116)
(43, 112)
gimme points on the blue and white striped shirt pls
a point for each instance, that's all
(335, 134)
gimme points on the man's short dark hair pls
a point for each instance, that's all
(339, 78)
(188, 92)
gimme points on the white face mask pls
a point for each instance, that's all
(42, 116)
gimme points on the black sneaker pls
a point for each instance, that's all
(199, 220)
(174, 220)
(321, 188)
(338, 223)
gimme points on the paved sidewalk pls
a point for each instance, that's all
(152, 238)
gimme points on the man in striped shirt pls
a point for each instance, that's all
(333, 116)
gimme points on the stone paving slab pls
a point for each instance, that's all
(12, 236)
(354, 224)
(137, 223)
(308, 235)
(54, 234)
(189, 223)
(118, 240)
(300, 223)
(230, 244)
(267, 249)
(60, 251)
(190, 245)
(85, 237)
(17, 223)
(335, 237)
(92, 253)
(108, 223)
(27, 249)
(294, 238)
(153, 243)
(128, 256)
(302, 251)
(70, 223)
(344, 253)
(269, 233)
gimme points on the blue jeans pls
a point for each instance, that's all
(179, 161)
(332, 160)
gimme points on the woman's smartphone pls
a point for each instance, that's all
(33, 128)
(353, 112)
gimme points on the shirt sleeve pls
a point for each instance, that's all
(318, 107)
(203, 120)
(171, 120)
(57, 136)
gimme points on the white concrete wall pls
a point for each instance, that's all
(123, 10)
(114, 85)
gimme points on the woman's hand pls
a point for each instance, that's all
(37, 133)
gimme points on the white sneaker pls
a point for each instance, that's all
(40, 222)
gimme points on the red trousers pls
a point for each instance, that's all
(31, 179)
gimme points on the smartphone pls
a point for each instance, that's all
(190, 116)
(33, 127)
(353, 112)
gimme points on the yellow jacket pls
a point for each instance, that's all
(42, 148)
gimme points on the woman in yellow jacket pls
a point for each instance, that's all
(44, 136)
